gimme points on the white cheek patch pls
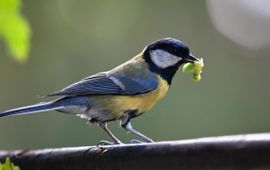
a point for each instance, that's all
(163, 59)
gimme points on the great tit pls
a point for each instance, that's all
(122, 93)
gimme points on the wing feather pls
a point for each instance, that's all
(130, 78)
(106, 84)
(96, 84)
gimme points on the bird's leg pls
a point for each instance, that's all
(129, 128)
(125, 123)
(110, 134)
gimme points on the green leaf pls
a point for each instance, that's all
(8, 165)
(9, 6)
(14, 29)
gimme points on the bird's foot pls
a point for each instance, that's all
(103, 143)
(139, 141)
(136, 141)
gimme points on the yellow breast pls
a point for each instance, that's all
(142, 102)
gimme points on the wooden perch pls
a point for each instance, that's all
(239, 152)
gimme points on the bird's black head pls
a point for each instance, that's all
(164, 57)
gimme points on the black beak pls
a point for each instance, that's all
(190, 59)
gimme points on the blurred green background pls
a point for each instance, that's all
(73, 39)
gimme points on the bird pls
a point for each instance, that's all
(122, 93)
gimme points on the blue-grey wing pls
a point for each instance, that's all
(136, 85)
(108, 84)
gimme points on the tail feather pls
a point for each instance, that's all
(41, 107)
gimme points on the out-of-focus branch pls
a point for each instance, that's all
(228, 152)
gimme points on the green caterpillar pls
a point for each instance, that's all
(195, 67)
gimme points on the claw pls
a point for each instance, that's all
(104, 143)
(136, 141)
